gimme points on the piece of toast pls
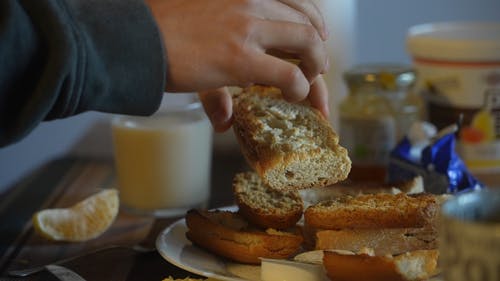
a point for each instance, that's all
(264, 206)
(383, 241)
(411, 266)
(229, 235)
(374, 211)
(312, 196)
(290, 145)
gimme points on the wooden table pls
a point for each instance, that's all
(65, 181)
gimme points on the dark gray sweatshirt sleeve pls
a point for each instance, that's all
(62, 57)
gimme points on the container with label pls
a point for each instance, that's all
(458, 65)
(377, 112)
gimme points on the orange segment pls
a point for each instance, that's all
(83, 221)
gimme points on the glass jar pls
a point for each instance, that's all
(377, 112)
(163, 161)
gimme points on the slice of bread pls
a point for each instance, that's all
(376, 211)
(312, 196)
(290, 146)
(411, 266)
(264, 206)
(383, 241)
(229, 235)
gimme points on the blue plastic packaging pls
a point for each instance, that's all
(441, 168)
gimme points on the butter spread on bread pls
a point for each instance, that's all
(382, 241)
(290, 145)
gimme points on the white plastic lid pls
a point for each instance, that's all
(456, 41)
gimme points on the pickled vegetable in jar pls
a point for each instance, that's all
(377, 112)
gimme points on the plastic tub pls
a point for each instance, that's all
(458, 74)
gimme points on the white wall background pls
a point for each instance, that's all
(382, 24)
(379, 30)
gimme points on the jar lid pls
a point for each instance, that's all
(455, 41)
(390, 77)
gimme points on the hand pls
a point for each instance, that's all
(214, 43)
(218, 104)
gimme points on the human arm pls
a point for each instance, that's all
(59, 58)
(105, 55)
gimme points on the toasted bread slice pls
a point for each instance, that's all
(374, 211)
(312, 196)
(383, 241)
(290, 146)
(229, 235)
(411, 266)
(264, 206)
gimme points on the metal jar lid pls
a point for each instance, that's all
(389, 77)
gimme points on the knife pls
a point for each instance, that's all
(63, 273)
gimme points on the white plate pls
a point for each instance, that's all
(174, 247)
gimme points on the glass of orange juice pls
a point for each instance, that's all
(163, 161)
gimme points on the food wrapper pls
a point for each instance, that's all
(432, 156)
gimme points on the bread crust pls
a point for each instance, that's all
(341, 267)
(264, 206)
(410, 266)
(227, 234)
(290, 146)
(374, 211)
(269, 219)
